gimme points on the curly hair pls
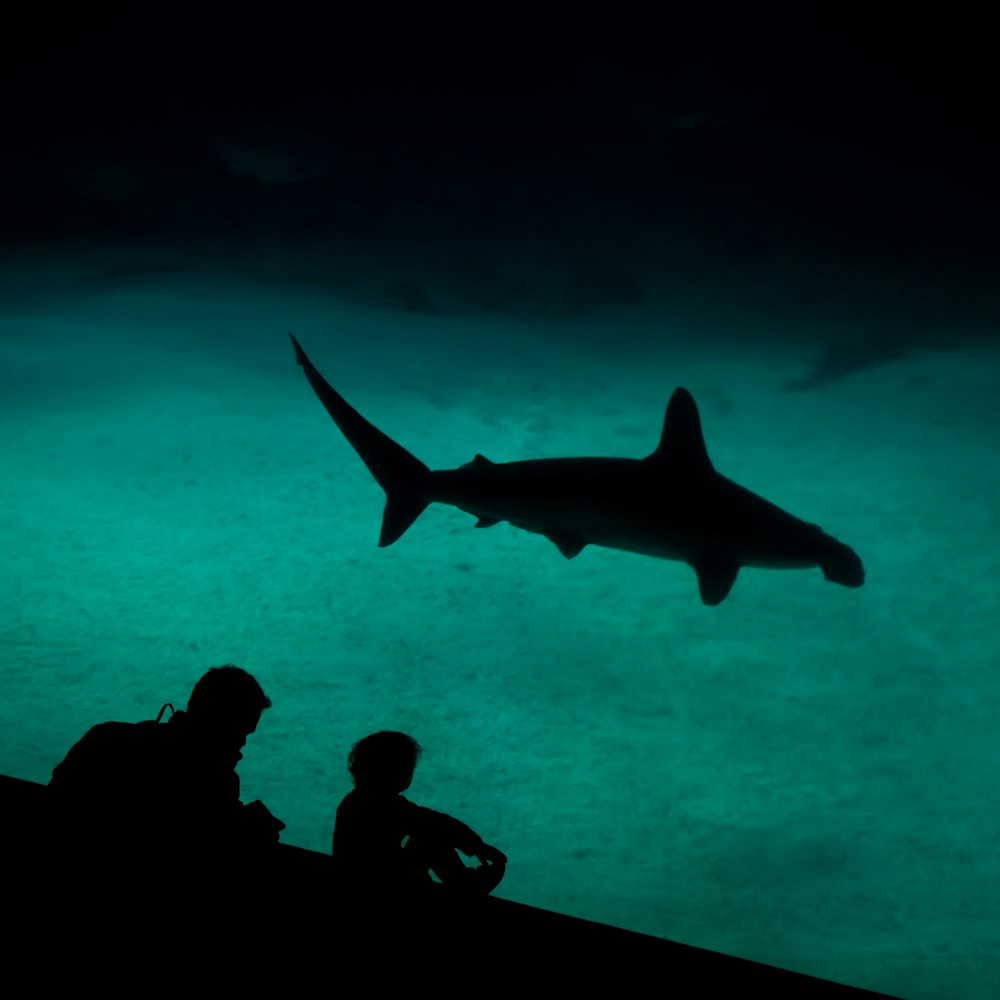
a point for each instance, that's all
(384, 760)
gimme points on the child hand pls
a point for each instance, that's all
(490, 855)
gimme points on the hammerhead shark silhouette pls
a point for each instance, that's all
(671, 504)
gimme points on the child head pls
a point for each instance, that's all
(384, 762)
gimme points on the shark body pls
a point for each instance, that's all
(670, 505)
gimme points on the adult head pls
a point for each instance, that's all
(226, 704)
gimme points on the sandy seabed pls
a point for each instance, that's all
(804, 775)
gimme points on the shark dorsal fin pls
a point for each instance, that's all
(682, 441)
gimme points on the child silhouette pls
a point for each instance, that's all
(374, 820)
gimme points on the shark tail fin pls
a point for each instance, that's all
(401, 475)
(400, 513)
(404, 479)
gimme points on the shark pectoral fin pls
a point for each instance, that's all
(716, 576)
(486, 522)
(400, 512)
(569, 545)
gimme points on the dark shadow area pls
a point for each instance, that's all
(515, 172)
(289, 927)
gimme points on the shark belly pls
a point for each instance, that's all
(573, 502)
(708, 521)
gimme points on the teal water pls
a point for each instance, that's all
(802, 775)
(516, 239)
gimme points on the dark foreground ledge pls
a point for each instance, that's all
(295, 935)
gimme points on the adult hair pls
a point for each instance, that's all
(227, 690)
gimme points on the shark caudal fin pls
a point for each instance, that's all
(400, 474)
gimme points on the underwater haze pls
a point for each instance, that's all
(522, 256)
